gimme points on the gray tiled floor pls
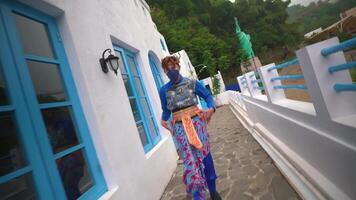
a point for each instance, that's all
(245, 170)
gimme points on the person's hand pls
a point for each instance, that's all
(208, 114)
(165, 125)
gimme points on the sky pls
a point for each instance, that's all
(302, 2)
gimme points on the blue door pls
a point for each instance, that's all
(45, 146)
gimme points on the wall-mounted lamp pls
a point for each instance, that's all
(110, 61)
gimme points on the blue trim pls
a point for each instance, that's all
(32, 106)
(54, 105)
(285, 87)
(339, 87)
(93, 192)
(144, 119)
(128, 55)
(68, 151)
(41, 59)
(23, 118)
(162, 45)
(15, 174)
(283, 65)
(158, 136)
(6, 108)
(339, 47)
(94, 168)
(155, 72)
(287, 77)
(341, 67)
(139, 121)
(46, 176)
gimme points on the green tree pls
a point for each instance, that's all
(205, 29)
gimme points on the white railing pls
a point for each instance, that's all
(314, 144)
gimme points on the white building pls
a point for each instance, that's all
(67, 128)
(209, 82)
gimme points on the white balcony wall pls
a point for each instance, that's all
(313, 144)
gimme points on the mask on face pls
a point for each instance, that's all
(173, 75)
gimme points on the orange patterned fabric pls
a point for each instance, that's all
(185, 116)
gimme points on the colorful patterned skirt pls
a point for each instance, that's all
(193, 166)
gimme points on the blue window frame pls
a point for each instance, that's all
(155, 71)
(46, 151)
(162, 44)
(140, 104)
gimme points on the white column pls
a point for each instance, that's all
(328, 103)
(273, 95)
(222, 84)
(243, 86)
(250, 76)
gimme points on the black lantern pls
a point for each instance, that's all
(111, 60)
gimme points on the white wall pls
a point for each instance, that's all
(323, 153)
(87, 28)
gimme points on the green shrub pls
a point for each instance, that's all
(353, 75)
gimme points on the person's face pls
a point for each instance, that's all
(172, 65)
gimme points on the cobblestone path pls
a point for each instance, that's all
(245, 170)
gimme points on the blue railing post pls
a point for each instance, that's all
(288, 77)
(328, 103)
(341, 67)
(283, 65)
(340, 47)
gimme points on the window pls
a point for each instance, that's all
(155, 71)
(139, 101)
(46, 151)
(162, 44)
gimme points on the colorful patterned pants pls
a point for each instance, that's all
(198, 167)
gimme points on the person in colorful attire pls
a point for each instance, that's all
(188, 126)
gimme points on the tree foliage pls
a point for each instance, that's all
(205, 29)
(318, 14)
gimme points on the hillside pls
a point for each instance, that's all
(315, 15)
(206, 30)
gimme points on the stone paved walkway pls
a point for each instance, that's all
(245, 170)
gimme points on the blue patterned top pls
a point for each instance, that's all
(200, 90)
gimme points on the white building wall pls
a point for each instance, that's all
(87, 28)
